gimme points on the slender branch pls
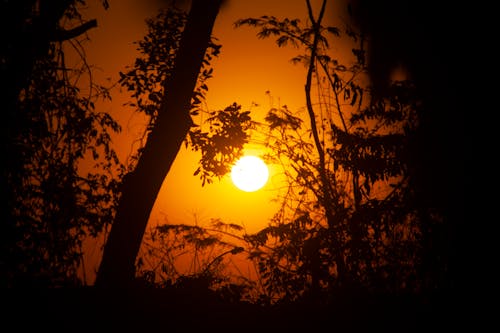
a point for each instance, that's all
(61, 34)
(355, 178)
(310, 110)
(327, 200)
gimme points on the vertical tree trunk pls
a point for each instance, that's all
(25, 38)
(141, 187)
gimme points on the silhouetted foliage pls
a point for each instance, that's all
(221, 144)
(146, 77)
(347, 221)
(219, 137)
(421, 39)
(335, 231)
(62, 173)
(194, 257)
(169, 130)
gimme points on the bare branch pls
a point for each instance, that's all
(62, 34)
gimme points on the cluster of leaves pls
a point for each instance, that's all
(378, 152)
(222, 144)
(158, 49)
(62, 174)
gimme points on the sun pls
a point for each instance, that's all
(249, 173)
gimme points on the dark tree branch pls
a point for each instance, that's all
(62, 34)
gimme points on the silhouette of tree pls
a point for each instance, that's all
(348, 222)
(422, 38)
(28, 29)
(170, 126)
(52, 202)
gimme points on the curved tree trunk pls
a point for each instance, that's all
(141, 187)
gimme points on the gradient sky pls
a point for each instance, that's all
(245, 70)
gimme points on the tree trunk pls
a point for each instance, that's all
(141, 187)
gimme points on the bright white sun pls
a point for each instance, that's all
(250, 173)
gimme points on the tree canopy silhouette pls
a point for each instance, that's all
(421, 39)
(60, 174)
(347, 212)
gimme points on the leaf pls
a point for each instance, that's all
(282, 41)
(333, 30)
(237, 250)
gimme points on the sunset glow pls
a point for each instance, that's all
(250, 173)
(224, 165)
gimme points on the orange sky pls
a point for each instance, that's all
(245, 70)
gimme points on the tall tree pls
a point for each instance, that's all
(141, 186)
(51, 127)
(421, 38)
(348, 222)
(28, 28)
(218, 135)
